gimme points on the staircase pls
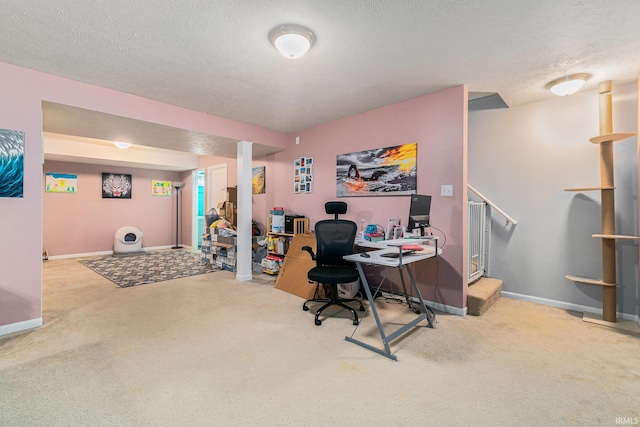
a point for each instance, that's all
(482, 294)
(482, 291)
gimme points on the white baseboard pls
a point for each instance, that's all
(20, 326)
(443, 307)
(86, 254)
(54, 257)
(565, 305)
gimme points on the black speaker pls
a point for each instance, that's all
(288, 223)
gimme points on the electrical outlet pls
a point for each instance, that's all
(446, 190)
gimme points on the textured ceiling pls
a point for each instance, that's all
(67, 120)
(214, 55)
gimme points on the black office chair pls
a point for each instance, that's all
(334, 239)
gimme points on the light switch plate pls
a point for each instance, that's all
(446, 190)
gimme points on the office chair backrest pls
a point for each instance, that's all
(335, 208)
(335, 238)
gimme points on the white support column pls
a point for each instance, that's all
(244, 264)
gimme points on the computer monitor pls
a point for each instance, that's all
(419, 212)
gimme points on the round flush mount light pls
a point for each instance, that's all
(292, 40)
(122, 145)
(568, 85)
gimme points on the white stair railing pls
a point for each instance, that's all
(493, 205)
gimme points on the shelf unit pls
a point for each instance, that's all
(278, 244)
(607, 190)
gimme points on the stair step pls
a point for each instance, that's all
(482, 294)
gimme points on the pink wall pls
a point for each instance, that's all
(259, 201)
(23, 91)
(84, 222)
(438, 123)
(21, 218)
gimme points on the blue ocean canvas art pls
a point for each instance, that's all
(11, 163)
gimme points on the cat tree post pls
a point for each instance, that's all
(607, 189)
(608, 204)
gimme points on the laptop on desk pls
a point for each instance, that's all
(397, 254)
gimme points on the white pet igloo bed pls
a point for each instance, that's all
(127, 240)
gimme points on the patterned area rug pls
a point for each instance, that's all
(147, 267)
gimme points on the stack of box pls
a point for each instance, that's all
(206, 254)
(227, 209)
(271, 264)
(226, 258)
(225, 249)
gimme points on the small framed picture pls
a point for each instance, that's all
(116, 186)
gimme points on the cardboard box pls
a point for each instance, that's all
(227, 210)
(220, 251)
(232, 195)
(224, 209)
(228, 267)
(292, 277)
(300, 240)
(227, 240)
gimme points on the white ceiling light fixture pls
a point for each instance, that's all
(568, 85)
(293, 41)
(122, 145)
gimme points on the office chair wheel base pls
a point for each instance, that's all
(305, 308)
(361, 308)
(318, 321)
(355, 322)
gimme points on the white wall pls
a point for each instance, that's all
(523, 158)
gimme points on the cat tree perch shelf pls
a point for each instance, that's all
(588, 281)
(589, 189)
(611, 137)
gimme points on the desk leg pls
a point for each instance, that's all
(424, 307)
(372, 305)
(404, 289)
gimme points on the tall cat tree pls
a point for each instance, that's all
(608, 236)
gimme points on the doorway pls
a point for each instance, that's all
(198, 209)
(213, 185)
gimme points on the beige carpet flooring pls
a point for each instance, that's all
(209, 351)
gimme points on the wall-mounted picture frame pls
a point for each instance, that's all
(387, 171)
(11, 163)
(116, 186)
(258, 180)
(60, 183)
(302, 175)
(161, 188)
